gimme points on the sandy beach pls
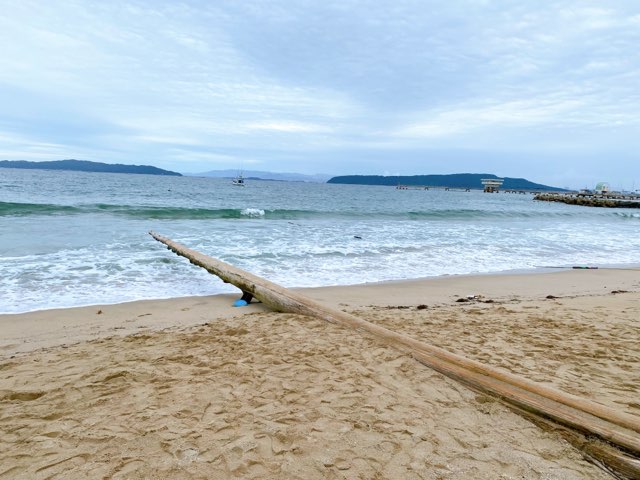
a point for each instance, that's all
(194, 388)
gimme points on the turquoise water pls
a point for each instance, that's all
(72, 238)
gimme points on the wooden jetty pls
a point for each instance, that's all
(489, 185)
(432, 187)
(606, 200)
(604, 435)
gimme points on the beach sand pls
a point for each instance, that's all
(194, 388)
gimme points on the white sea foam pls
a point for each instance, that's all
(115, 273)
(252, 212)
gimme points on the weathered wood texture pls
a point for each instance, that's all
(581, 415)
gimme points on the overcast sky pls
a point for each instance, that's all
(549, 90)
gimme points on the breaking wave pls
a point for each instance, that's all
(8, 209)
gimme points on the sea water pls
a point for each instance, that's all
(74, 238)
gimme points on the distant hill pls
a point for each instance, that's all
(258, 174)
(86, 166)
(455, 180)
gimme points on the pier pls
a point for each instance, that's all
(432, 187)
(518, 191)
(489, 185)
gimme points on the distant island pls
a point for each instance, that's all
(86, 166)
(454, 180)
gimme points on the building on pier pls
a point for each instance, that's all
(492, 184)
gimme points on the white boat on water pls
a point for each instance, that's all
(238, 181)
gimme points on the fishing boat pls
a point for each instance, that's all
(238, 181)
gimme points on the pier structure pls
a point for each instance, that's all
(522, 192)
(492, 185)
(465, 189)
(431, 187)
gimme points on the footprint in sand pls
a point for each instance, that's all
(126, 468)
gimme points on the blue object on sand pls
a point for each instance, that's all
(240, 303)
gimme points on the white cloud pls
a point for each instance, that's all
(221, 81)
(508, 114)
(289, 126)
(22, 147)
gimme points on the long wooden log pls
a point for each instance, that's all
(618, 428)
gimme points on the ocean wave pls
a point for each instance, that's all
(628, 214)
(199, 213)
(8, 209)
(26, 209)
(474, 214)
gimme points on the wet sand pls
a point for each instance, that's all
(193, 388)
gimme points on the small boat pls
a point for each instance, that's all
(238, 181)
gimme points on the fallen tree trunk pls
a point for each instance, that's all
(582, 415)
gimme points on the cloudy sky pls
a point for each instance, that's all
(549, 91)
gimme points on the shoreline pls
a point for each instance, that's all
(511, 272)
(28, 331)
